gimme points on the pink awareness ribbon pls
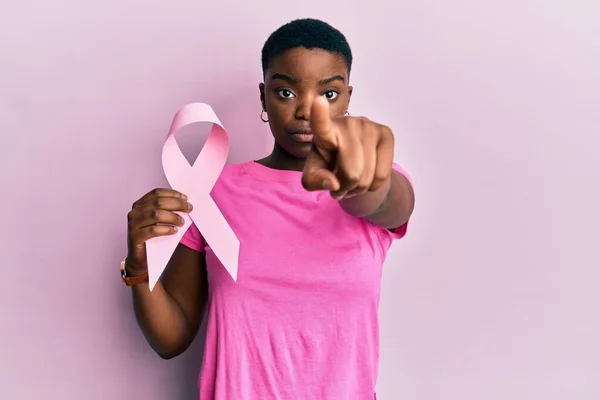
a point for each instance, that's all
(196, 181)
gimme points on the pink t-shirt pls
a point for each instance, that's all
(301, 321)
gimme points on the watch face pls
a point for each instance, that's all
(123, 271)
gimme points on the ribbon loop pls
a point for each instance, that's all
(196, 181)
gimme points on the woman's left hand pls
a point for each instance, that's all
(349, 155)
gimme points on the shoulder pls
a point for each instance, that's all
(232, 172)
(233, 169)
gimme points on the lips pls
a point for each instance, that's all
(302, 135)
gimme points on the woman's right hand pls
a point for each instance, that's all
(151, 216)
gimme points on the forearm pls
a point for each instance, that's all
(161, 320)
(390, 206)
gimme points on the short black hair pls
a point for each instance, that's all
(308, 33)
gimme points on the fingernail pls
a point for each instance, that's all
(326, 185)
(349, 195)
(190, 206)
(183, 196)
(174, 229)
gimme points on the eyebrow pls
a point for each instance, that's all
(291, 79)
(284, 77)
(331, 79)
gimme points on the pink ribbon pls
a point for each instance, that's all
(196, 181)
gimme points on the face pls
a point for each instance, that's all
(292, 82)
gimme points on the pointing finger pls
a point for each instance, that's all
(321, 123)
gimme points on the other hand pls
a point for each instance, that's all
(151, 216)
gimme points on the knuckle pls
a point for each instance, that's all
(362, 186)
(154, 214)
(387, 132)
(378, 182)
(357, 122)
(380, 177)
(352, 176)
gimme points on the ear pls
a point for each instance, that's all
(261, 88)
(350, 90)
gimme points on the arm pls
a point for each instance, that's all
(170, 315)
(389, 206)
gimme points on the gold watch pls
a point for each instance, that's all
(132, 280)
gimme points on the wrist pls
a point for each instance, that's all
(133, 269)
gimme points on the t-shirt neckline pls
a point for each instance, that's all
(271, 174)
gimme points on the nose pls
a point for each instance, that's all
(303, 108)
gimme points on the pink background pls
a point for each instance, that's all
(492, 296)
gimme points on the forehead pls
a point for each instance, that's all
(309, 64)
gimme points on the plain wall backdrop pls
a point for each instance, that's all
(493, 295)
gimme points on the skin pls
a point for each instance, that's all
(170, 315)
(306, 95)
(308, 91)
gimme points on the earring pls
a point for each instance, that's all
(262, 116)
(346, 113)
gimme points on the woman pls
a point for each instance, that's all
(315, 219)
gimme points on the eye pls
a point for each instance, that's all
(285, 93)
(331, 94)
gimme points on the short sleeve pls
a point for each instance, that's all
(193, 239)
(400, 232)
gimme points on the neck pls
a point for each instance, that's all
(281, 159)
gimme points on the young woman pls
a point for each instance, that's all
(315, 219)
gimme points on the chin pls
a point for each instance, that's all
(299, 151)
(293, 148)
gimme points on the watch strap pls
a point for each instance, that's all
(132, 280)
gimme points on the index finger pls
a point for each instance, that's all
(160, 192)
(321, 124)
